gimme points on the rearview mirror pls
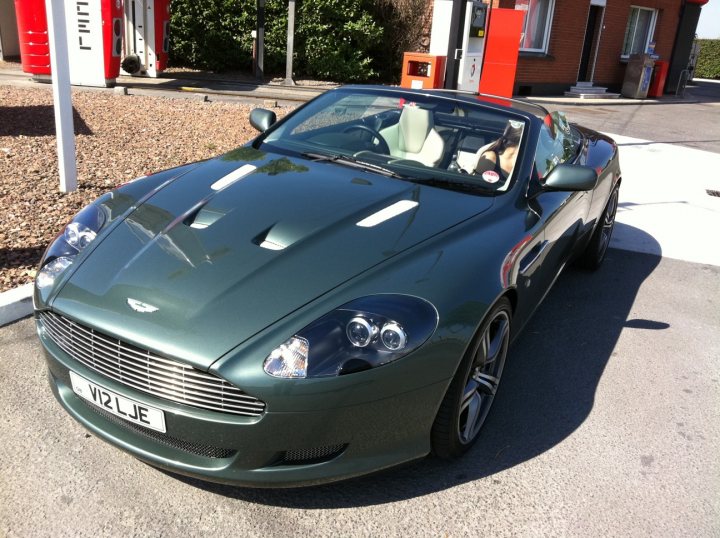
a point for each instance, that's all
(571, 177)
(262, 119)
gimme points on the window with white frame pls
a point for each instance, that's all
(639, 31)
(536, 25)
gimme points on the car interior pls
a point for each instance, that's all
(436, 137)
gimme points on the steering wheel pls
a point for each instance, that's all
(382, 143)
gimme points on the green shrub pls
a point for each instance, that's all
(334, 39)
(708, 62)
(216, 34)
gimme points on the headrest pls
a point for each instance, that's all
(415, 124)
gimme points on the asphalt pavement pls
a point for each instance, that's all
(607, 422)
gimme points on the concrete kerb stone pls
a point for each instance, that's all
(16, 304)
(573, 101)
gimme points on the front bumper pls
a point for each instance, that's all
(276, 449)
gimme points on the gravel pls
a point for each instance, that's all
(118, 138)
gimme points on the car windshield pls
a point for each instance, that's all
(417, 137)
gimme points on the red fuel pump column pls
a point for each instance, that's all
(501, 52)
(33, 34)
(112, 37)
(162, 34)
(94, 33)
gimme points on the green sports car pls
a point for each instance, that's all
(334, 298)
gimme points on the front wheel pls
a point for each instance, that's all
(467, 402)
(594, 253)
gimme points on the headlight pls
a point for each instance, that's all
(78, 234)
(362, 334)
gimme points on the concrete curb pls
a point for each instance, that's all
(574, 101)
(16, 304)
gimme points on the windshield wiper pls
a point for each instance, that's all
(353, 162)
(452, 184)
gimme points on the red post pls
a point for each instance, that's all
(501, 52)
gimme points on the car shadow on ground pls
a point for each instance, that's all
(36, 120)
(547, 391)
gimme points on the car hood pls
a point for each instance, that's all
(232, 246)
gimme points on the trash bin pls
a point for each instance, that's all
(657, 86)
(422, 70)
(637, 76)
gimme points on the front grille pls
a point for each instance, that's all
(145, 371)
(199, 449)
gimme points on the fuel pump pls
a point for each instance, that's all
(94, 34)
(147, 37)
(481, 45)
(473, 47)
(459, 31)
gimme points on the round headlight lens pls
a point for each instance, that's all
(360, 332)
(79, 236)
(393, 336)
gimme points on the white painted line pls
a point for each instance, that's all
(233, 176)
(398, 208)
(16, 304)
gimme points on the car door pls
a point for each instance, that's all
(562, 215)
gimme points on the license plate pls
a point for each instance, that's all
(119, 406)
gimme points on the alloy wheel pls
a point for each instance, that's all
(608, 222)
(484, 377)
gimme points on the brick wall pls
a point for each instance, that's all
(609, 69)
(558, 69)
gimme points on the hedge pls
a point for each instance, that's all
(334, 39)
(708, 62)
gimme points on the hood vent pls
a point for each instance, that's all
(233, 176)
(391, 211)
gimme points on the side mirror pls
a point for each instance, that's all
(571, 177)
(262, 119)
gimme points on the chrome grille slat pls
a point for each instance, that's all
(164, 363)
(145, 371)
(131, 368)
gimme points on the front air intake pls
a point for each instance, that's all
(306, 456)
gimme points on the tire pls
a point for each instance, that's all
(471, 393)
(594, 254)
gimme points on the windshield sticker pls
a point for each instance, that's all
(491, 176)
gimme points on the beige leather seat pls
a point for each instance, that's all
(414, 137)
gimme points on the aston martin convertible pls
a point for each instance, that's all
(335, 297)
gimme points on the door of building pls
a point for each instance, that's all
(591, 34)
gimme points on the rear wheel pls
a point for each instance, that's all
(594, 253)
(467, 402)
